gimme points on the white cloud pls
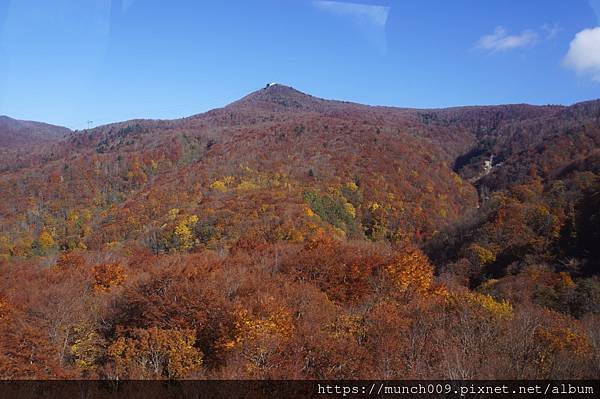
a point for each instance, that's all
(370, 20)
(584, 53)
(500, 40)
(361, 13)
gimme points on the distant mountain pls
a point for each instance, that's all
(425, 165)
(19, 134)
(273, 138)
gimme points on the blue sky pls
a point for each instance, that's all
(70, 61)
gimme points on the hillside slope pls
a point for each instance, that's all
(18, 134)
(286, 236)
(275, 143)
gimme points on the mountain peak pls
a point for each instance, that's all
(276, 96)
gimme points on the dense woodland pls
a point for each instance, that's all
(286, 236)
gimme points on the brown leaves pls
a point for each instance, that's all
(346, 272)
(25, 349)
(107, 275)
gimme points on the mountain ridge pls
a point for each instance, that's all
(287, 97)
(15, 133)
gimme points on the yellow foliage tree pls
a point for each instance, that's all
(184, 233)
(249, 327)
(46, 240)
(86, 347)
(72, 218)
(219, 186)
(254, 334)
(496, 309)
(247, 185)
(481, 255)
(410, 272)
(374, 206)
(350, 209)
(309, 212)
(173, 213)
(155, 353)
(351, 186)
(222, 183)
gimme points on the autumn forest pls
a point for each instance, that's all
(289, 237)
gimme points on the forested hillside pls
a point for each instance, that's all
(287, 236)
(25, 134)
